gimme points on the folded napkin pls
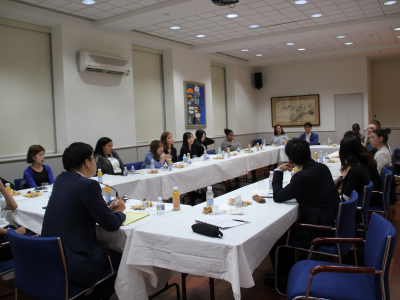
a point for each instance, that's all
(133, 217)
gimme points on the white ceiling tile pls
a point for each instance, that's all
(271, 13)
(118, 10)
(372, 10)
(207, 15)
(247, 12)
(329, 8)
(282, 5)
(265, 9)
(216, 19)
(132, 6)
(324, 3)
(104, 6)
(226, 22)
(352, 9)
(256, 4)
(192, 18)
(32, 1)
(289, 10)
(348, 4)
(118, 2)
(75, 6)
(355, 13)
(334, 13)
(306, 6)
(309, 12)
(90, 10)
(81, 14)
(66, 10)
(48, 5)
(374, 14)
(371, 5)
(147, 2)
(56, 2)
(201, 22)
(252, 17)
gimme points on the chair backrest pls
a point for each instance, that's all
(345, 221)
(364, 201)
(40, 268)
(378, 252)
(390, 168)
(19, 184)
(138, 165)
(210, 151)
(259, 141)
(386, 180)
(396, 156)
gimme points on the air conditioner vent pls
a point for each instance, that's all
(102, 64)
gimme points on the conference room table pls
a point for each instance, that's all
(200, 173)
(158, 247)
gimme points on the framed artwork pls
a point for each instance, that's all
(195, 105)
(295, 110)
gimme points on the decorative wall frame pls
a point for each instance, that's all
(195, 105)
(295, 110)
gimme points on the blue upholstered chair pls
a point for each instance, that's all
(343, 228)
(259, 141)
(19, 184)
(41, 269)
(384, 208)
(310, 279)
(136, 165)
(210, 152)
(362, 208)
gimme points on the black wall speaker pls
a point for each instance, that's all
(258, 80)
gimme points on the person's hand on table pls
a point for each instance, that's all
(118, 205)
(21, 230)
(286, 167)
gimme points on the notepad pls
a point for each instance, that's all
(133, 217)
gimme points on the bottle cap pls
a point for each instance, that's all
(99, 170)
(209, 188)
(159, 198)
(175, 188)
(7, 183)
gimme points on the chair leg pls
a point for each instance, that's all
(16, 294)
(167, 287)
(212, 292)
(355, 253)
(183, 276)
(276, 272)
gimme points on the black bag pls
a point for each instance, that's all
(206, 229)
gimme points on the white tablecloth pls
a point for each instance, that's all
(156, 246)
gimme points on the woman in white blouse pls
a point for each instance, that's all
(107, 159)
(378, 139)
(279, 137)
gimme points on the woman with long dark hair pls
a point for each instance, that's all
(198, 142)
(168, 144)
(355, 161)
(107, 159)
(187, 145)
(157, 153)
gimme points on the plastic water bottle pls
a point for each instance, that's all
(238, 201)
(209, 196)
(125, 171)
(238, 150)
(320, 157)
(152, 164)
(264, 143)
(165, 166)
(206, 156)
(219, 150)
(160, 206)
(184, 158)
(188, 156)
(270, 179)
(223, 154)
(329, 142)
(99, 176)
(132, 170)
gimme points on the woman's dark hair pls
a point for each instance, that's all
(32, 151)
(382, 133)
(352, 133)
(227, 131)
(275, 132)
(199, 134)
(298, 150)
(163, 139)
(185, 144)
(154, 147)
(352, 153)
(75, 155)
(100, 144)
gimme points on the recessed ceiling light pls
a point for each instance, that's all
(289, 44)
(88, 1)
(341, 36)
(174, 27)
(301, 49)
(244, 50)
(316, 15)
(231, 16)
(398, 28)
(300, 2)
(200, 35)
(348, 43)
(390, 2)
(258, 54)
(254, 26)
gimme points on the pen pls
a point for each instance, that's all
(241, 220)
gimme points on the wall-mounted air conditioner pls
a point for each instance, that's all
(102, 64)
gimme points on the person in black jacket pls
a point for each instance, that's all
(75, 206)
(315, 192)
(107, 159)
(207, 141)
(354, 166)
(168, 144)
(198, 142)
(187, 146)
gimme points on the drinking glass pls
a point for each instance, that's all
(44, 184)
(261, 185)
(194, 157)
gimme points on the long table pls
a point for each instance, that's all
(157, 247)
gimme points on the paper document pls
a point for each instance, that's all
(221, 222)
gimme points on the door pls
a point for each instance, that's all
(348, 110)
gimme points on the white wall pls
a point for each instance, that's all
(89, 106)
(180, 66)
(325, 78)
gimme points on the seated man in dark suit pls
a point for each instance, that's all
(310, 137)
(315, 192)
(75, 206)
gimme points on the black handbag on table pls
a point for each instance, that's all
(206, 229)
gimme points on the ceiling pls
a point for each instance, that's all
(367, 24)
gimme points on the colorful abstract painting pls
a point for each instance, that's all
(195, 104)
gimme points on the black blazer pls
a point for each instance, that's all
(207, 142)
(199, 147)
(75, 206)
(316, 193)
(105, 165)
(355, 180)
(186, 151)
(173, 154)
